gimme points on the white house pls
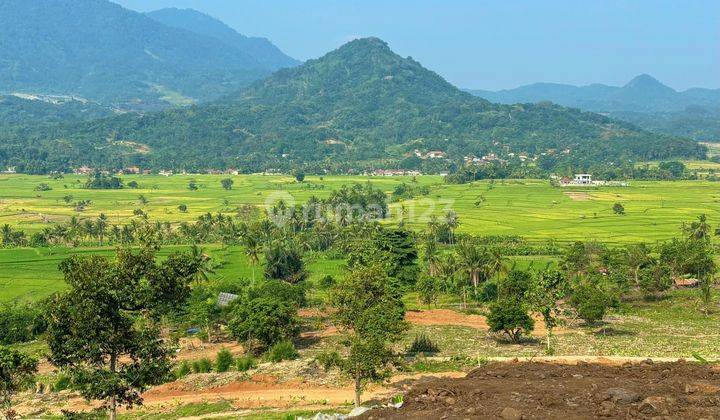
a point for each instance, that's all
(582, 179)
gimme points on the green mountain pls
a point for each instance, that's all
(100, 51)
(260, 49)
(644, 101)
(360, 105)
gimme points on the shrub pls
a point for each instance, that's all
(43, 187)
(329, 359)
(590, 302)
(245, 363)
(62, 382)
(423, 344)
(510, 316)
(133, 184)
(655, 279)
(283, 350)
(183, 369)
(183, 208)
(280, 290)
(327, 282)
(223, 361)
(267, 320)
(203, 365)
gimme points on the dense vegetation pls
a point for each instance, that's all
(359, 106)
(101, 51)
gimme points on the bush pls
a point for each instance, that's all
(21, 323)
(423, 344)
(183, 369)
(329, 359)
(62, 382)
(267, 320)
(516, 285)
(133, 184)
(283, 350)
(203, 365)
(183, 208)
(509, 315)
(590, 302)
(279, 290)
(223, 361)
(327, 282)
(43, 187)
(655, 279)
(245, 363)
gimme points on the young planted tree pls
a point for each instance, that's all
(371, 316)
(16, 370)
(618, 209)
(548, 289)
(104, 330)
(428, 289)
(263, 321)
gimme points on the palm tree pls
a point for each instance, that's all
(202, 261)
(452, 221)
(430, 256)
(101, 226)
(637, 256)
(253, 248)
(473, 261)
(495, 263)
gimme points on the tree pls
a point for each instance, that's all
(428, 289)
(452, 221)
(284, 262)
(510, 315)
(618, 209)
(104, 330)
(637, 257)
(193, 186)
(548, 289)
(472, 260)
(655, 279)
(253, 248)
(590, 301)
(227, 184)
(16, 370)
(371, 316)
(299, 176)
(263, 321)
(183, 208)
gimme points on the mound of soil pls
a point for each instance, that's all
(584, 391)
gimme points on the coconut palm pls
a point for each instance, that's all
(452, 221)
(473, 261)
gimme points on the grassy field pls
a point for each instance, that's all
(529, 208)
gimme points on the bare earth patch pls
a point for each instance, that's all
(582, 391)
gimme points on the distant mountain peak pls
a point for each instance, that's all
(645, 81)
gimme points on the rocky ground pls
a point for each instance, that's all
(531, 390)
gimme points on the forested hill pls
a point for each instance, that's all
(644, 101)
(360, 104)
(101, 51)
(261, 49)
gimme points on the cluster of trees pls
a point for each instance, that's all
(563, 166)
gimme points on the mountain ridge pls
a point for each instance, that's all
(360, 105)
(261, 49)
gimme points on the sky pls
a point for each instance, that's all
(497, 44)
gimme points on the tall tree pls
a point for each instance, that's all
(103, 331)
(371, 315)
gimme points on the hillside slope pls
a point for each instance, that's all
(98, 50)
(260, 49)
(359, 104)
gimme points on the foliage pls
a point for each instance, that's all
(510, 316)
(203, 365)
(227, 184)
(284, 262)
(590, 300)
(223, 361)
(16, 369)
(265, 320)
(422, 344)
(183, 369)
(428, 289)
(282, 350)
(21, 322)
(371, 315)
(245, 363)
(103, 331)
(618, 209)
(101, 181)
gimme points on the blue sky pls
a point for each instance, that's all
(495, 44)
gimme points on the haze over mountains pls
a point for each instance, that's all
(644, 101)
(361, 104)
(100, 51)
